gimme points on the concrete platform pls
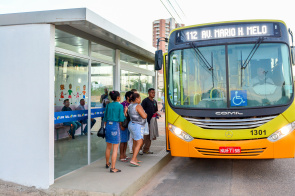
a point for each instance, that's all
(95, 179)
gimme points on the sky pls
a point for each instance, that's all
(136, 16)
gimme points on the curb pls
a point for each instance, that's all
(142, 181)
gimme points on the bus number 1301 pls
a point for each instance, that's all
(258, 132)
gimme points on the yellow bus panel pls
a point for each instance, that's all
(250, 149)
(217, 134)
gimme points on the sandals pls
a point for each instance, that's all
(108, 165)
(112, 170)
(134, 165)
(123, 160)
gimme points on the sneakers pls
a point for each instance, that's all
(130, 152)
(140, 152)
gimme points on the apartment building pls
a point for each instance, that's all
(162, 28)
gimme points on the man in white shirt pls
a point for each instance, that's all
(261, 77)
(93, 121)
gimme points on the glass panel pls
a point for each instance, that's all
(129, 60)
(71, 42)
(136, 62)
(198, 80)
(131, 80)
(101, 82)
(151, 67)
(264, 81)
(71, 82)
(101, 52)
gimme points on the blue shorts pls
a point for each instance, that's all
(124, 135)
(136, 131)
(113, 132)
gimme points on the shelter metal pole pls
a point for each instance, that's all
(89, 104)
(117, 71)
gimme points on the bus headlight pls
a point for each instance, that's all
(180, 133)
(282, 132)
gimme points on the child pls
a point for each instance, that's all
(114, 115)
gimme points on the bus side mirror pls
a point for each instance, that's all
(293, 54)
(158, 60)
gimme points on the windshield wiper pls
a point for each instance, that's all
(251, 54)
(209, 67)
(204, 60)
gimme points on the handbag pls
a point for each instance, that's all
(146, 129)
(101, 132)
(126, 121)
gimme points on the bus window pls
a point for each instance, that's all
(265, 80)
(198, 80)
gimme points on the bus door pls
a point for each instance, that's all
(165, 63)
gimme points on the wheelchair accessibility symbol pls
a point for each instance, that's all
(238, 98)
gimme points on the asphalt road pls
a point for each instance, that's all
(187, 176)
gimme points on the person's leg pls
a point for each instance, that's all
(71, 127)
(130, 144)
(86, 127)
(78, 124)
(122, 151)
(93, 121)
(121, 146)
(141, 147)
(133, 159)
(133, 145)
(144, 142)
(108, 153)
(74, 128)
(137, 145)
(147, 143)
(126, 143)
(114, 157)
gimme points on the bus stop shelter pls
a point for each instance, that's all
(50, 56)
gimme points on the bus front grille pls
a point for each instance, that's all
(236, 123)
(244, 152)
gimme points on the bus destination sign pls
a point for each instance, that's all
(228, 31)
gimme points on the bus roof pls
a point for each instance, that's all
(228, 22)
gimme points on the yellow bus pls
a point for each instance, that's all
(229, 90)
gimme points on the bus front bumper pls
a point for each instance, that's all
(250, 149)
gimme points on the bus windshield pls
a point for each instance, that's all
(230, 77)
